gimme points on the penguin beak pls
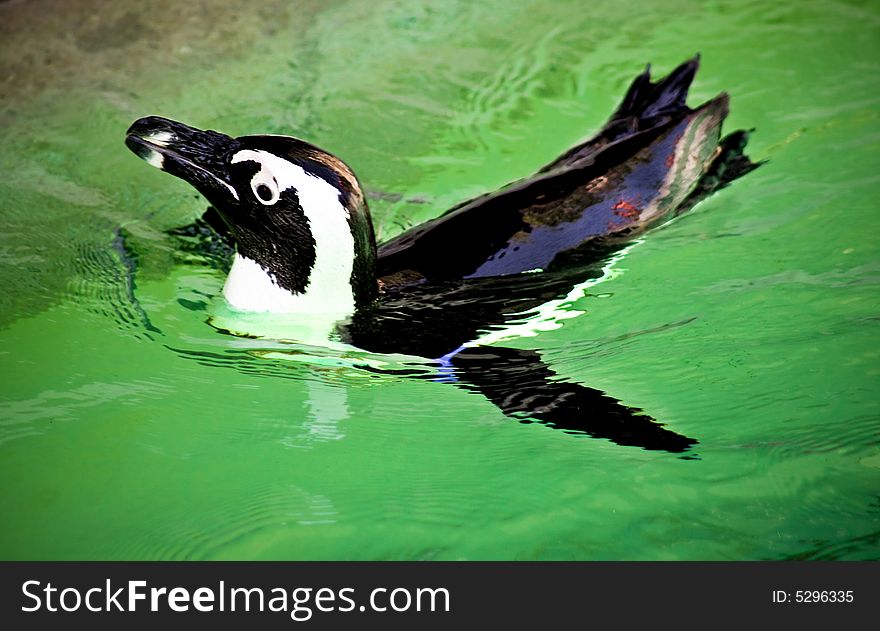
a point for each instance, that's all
(199, 157)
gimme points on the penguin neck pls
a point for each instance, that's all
(332, 273)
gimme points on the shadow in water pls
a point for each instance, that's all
(524, 387)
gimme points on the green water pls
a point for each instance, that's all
(749, 324)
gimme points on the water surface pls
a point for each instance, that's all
(131, 429)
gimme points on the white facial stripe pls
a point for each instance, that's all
(265, 188)
(160, 138)
(329, 288)
(288, 175)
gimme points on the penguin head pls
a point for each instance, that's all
(302, 229)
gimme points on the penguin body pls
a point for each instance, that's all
(305, 245)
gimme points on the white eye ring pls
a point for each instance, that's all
(265, 188)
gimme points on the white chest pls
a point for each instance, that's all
(249, 287)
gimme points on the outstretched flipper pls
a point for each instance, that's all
(647, 105)
(525, 388)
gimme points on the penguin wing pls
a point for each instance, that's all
(617, 192)
(646, 105)
(655, 158)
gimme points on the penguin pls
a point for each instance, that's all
(303, 246)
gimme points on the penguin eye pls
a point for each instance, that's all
(265, 188)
